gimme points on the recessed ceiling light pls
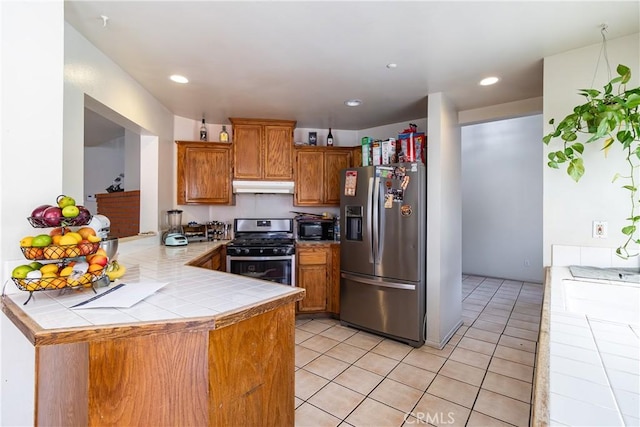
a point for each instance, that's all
(392, 65)
(489, 81)
(352, 102)
(179, 79)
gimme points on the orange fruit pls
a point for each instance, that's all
(34, 253)
(53, 252)
(59, 282)
(85, 232)
(56, 239)
(72, 252)
(95, 268)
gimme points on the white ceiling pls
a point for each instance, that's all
(301, 60)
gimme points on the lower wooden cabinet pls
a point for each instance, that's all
(214, 260)
(318, 272)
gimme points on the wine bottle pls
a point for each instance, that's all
(330, 139)
(224, 135)
(203, 131)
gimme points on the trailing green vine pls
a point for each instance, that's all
(615, 117)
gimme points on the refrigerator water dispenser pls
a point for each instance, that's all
(353, 220)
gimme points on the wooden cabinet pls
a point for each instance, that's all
(213, 260)
(318, 272)
(317, 176)
(204, 173)
(262, 149)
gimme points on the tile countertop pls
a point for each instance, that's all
(588, 365)
(195, 296)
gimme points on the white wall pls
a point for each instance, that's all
(94, 80)
(31, 164)
(502, 199)
(102, 164)
(392, 130)
(569, 207)
(444, 272)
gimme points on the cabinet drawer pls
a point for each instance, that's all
(307, 258)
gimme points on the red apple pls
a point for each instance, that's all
(99, 259)
(59, 230)
(86, 247)
(52, 216)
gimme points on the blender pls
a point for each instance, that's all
(174, 236)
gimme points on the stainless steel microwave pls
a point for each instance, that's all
(316, 229)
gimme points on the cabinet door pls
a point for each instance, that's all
(308, 178)
(334, 162)
(278, 151)
(204, 173)
(356, 157)
(313, 276)
(247, 151)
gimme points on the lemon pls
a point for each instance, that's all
(67, 240)
(49, 268)
(75, 235)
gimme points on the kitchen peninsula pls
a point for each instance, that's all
(208, 348)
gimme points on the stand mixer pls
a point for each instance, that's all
(174, 236)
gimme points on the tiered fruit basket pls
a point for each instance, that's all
(70, 259)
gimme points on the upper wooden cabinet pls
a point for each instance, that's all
(317, 176)
(204, 173)
(262, 149)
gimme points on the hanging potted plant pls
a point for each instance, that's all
(612, 116)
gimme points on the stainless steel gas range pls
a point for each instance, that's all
(263, 248)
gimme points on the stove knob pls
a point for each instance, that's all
(245, 251)
(261, 251)
(237, 250)
(276, 251)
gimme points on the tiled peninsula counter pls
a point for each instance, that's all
(209, 348)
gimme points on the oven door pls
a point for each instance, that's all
(279, 269)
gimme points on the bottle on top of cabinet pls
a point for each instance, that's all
(203, 131)
(330, 139)
(224, 135)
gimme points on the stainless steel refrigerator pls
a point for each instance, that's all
(383, 250)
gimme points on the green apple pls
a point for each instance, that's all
(21, 271)
(35, 265)
(64, 201)
(41, 241)
(70, 211)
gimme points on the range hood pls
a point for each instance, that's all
(265, 187)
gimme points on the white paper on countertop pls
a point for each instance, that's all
(123, 297)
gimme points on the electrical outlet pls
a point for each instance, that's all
(599, 229)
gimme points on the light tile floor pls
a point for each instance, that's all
(482, 377)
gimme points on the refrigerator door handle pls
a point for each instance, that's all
(379, 282)
(376, 219)
(369, 222)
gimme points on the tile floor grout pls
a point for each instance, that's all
(528, 296)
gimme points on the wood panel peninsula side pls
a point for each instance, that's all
(231, 365)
